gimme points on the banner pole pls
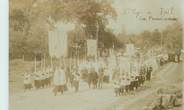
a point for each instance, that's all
(51, 62)
(44, 62)
(35, 64)
(41, 63)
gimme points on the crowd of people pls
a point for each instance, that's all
(63, 77)
(124, 83)
(169, 58)
(39, 79)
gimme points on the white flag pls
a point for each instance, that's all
(92, 47)
(58, 44)
(58, 40)
(130, 50)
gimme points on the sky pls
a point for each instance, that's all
(135, 16)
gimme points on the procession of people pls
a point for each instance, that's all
(124, 77)
(125, 71)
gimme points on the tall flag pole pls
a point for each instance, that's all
(97, 31)
(35, 64)
(41, 63)
(51, 62)
(44, 62)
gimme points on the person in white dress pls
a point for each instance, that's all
(59, 81)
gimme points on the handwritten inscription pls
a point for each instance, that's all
(164, 14)
(166, 11)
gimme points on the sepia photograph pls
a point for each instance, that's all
(96, 55)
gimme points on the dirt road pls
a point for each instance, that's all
(97, 99)
(170, 75)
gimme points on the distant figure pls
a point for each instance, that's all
(76, 81)
(128, 82)
(148, 75)
(90, 80)
(43, 79)
(116, 85)
(59, 81)
(37, 80)
(123, 85)
(27, 81)
(94, 79)
(67, 74)
(178, 56)
(48, 78)
(51, 75)
(100, 78)
(71, 79)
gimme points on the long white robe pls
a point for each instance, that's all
(59, 77)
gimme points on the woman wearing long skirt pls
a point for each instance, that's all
(59, 81)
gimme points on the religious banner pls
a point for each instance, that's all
(62, 44)
(58, 44)
(130, 50)
(92, 47)
(112, 59)
(135, 68)
(125, 65)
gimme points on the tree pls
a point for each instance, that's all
(34, 18)
(172, 37)
(156, 38)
